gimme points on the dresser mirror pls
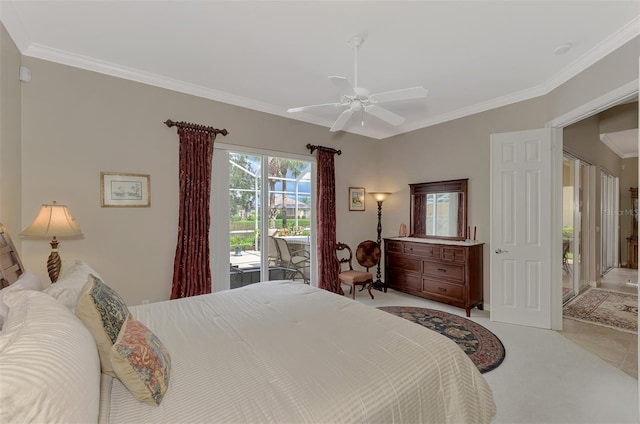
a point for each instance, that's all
(439, 209)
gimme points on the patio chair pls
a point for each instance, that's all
(272, 248)
(298, 261)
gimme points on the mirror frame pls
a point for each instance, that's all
(450, 186)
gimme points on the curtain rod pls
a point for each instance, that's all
(169, 123)
(311, 148)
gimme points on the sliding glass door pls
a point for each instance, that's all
(269, 218)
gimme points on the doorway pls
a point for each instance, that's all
(576, 224)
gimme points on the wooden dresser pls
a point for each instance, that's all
(440, 270)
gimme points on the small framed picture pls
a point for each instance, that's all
(356, 198)
(120, 190)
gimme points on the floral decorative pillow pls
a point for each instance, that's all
(104, 312)
(141, 362)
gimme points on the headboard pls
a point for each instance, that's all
(10, 264)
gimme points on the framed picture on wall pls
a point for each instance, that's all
(356, 198)
(119, 190)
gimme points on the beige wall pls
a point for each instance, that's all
(10, 135)
(452, 150)
(77, 123)
(582, 140)
(619, 118)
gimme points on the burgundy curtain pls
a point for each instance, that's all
(328, 265)
(191, 271)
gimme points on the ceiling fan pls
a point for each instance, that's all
(358, 99)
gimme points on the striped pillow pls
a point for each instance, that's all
(49, 366)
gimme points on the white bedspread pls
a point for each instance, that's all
(285, 352)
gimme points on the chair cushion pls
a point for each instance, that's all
(353, 276)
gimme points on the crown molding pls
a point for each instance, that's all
(607, 100)
(14, 26)
(611, 143)
(50, 54)
(478, 108)
(103, 67)
(608, 45)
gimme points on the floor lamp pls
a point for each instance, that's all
(53, 221)
(380, 197)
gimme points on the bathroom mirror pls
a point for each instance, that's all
(439, 209)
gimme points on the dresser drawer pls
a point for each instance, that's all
(443, 270)
(452, 291)
(404, 280)
(454, 254)
(424, 250)
(396, 262)
(394, 247)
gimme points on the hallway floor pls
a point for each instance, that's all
(618, 348)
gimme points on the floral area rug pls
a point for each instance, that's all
(605, 307)
(481, 345)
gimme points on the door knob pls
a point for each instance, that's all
(499, 251)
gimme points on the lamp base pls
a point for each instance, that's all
(380, 286)
(54, 263)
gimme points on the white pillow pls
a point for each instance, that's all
(29, 281)
(48, 362)
(26, 281)
(68, 286)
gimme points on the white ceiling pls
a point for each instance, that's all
(270, 56)
(623, 143)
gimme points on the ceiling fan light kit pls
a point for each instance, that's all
(356, 98)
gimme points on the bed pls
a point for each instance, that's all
(278, 351)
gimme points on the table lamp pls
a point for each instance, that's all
(53, 221)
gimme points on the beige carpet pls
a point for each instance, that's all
(605, 307)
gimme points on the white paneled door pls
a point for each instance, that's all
(523, 215)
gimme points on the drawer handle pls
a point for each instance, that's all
(442, 289)
(442, 270)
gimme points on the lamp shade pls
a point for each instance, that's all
(380, 196)
(53, 221)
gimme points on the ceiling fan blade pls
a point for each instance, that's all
(306, 108)
(342, 120)
(404, 94)
(343, 85)
(384, 114)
